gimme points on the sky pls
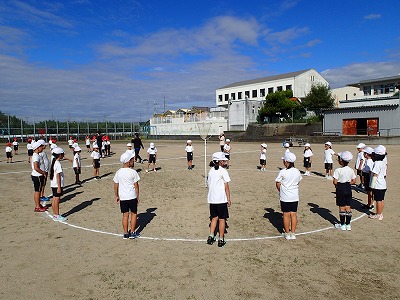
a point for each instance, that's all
(123, 60)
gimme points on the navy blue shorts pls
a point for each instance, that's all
(379, 195)
(189, 156)
(219, 210)
(37, 182)
(307, 162)
(343, 194)
(96, 163)
(128, 205)
(55, 194)
(77, 171)
(152, 159)
(289, 206)
(328, 166)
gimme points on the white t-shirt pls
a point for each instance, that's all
(344, 174)
(328, 156)
(95, 155)
(152, 151)
(289, 179)
(77, 161)
(70, 142)
(130, 151)
(368, 165)
(75, 144)
(189, 148)
(308, 153)
(360, 157)
(43, 155)
(57, 170)
(263, 154)
(8, 149)
(29, 146)
(227, 148)
(380, 169)
(37, 158)
(87, 142)
(216, 185)
(126, 177)
(52, 146)
(15, 143)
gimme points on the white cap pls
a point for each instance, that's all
(286, 145)
(77, 148)
(50, 142)
(36, 145)
(346, 155)
(380, 150)
(264, 145)
(95, 146)
(329, 144)
(219, 156)
(368, 150)
(129, 145)
(151, 145)
(126, 156)
(58, 150)
(360, 145)
(42, 142)
(307, 145)
(188, 142)
(290, 157)
(227, 140)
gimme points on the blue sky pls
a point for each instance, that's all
(114, 60)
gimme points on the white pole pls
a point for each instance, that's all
(205, 162)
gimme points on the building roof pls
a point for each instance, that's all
(266, 79)
(376, 80)
(342, 109)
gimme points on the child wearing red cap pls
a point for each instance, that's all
(16, 145)
(9, 152)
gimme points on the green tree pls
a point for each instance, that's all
(278, 103)
(319, 97)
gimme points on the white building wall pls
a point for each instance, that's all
(180, 127)
(346, 93)
(303, 83)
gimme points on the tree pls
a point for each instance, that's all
(276, 103)
(319, 97)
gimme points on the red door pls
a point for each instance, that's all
(349, 127)
(372, 126)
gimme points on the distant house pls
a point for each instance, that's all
(245, 98)
(370, 108)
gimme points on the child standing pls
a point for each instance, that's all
(366, 171)
(9, 152)
(57, 183)
(227, 151)
(189, 154)
(287, 183)
(96, 161)
(378, 181)
(263, 157)
(16, 146)
(37, 175)
(30, 149)
(222, 141)
(307, 158)
(218, 197)
(126, 189)
(360, 163)
(43, 199)
(328, 160)
(152, 157)
(87, 143)
(76, 164)
(343, 178)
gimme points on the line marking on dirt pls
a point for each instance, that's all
(198, 240)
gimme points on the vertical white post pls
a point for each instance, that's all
(205, 162)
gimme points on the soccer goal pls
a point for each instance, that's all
(204, 129)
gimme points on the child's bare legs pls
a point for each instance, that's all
(222, 223)
(293, 221)
(133, 221)
(379, 207)
(55, 205)
(213, 225)
(370, 199)
(286, 222)
(125, 218)
(36, 198)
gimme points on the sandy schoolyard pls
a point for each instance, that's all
(86, 257)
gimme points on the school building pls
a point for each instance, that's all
(368, 107)
(244, 99)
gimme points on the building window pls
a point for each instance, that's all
(279, 88)
(233, 96)
(378, 89)
(289, 87)
(312, 77)
(254, 93)
(389, 88)
(270, 90)
(247, 94)
(226, 97)
(253, 110)
(219, 98)
(239, 95)
(367, 90)
(262, 92)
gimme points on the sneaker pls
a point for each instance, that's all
(40, 209)
(155, 170)
(380, 217)
(287, 236)
(343, 227)
(221, 243)
(210, 240)
(361, 186)
(292, 236)
(337, 225)
(147, 171)
(134, 235)
(348, 227)
(44, 203)
(126, 236)
(375, 216)
(59, 218)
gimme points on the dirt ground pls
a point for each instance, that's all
(86, 258)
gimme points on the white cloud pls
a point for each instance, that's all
(372, 16)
